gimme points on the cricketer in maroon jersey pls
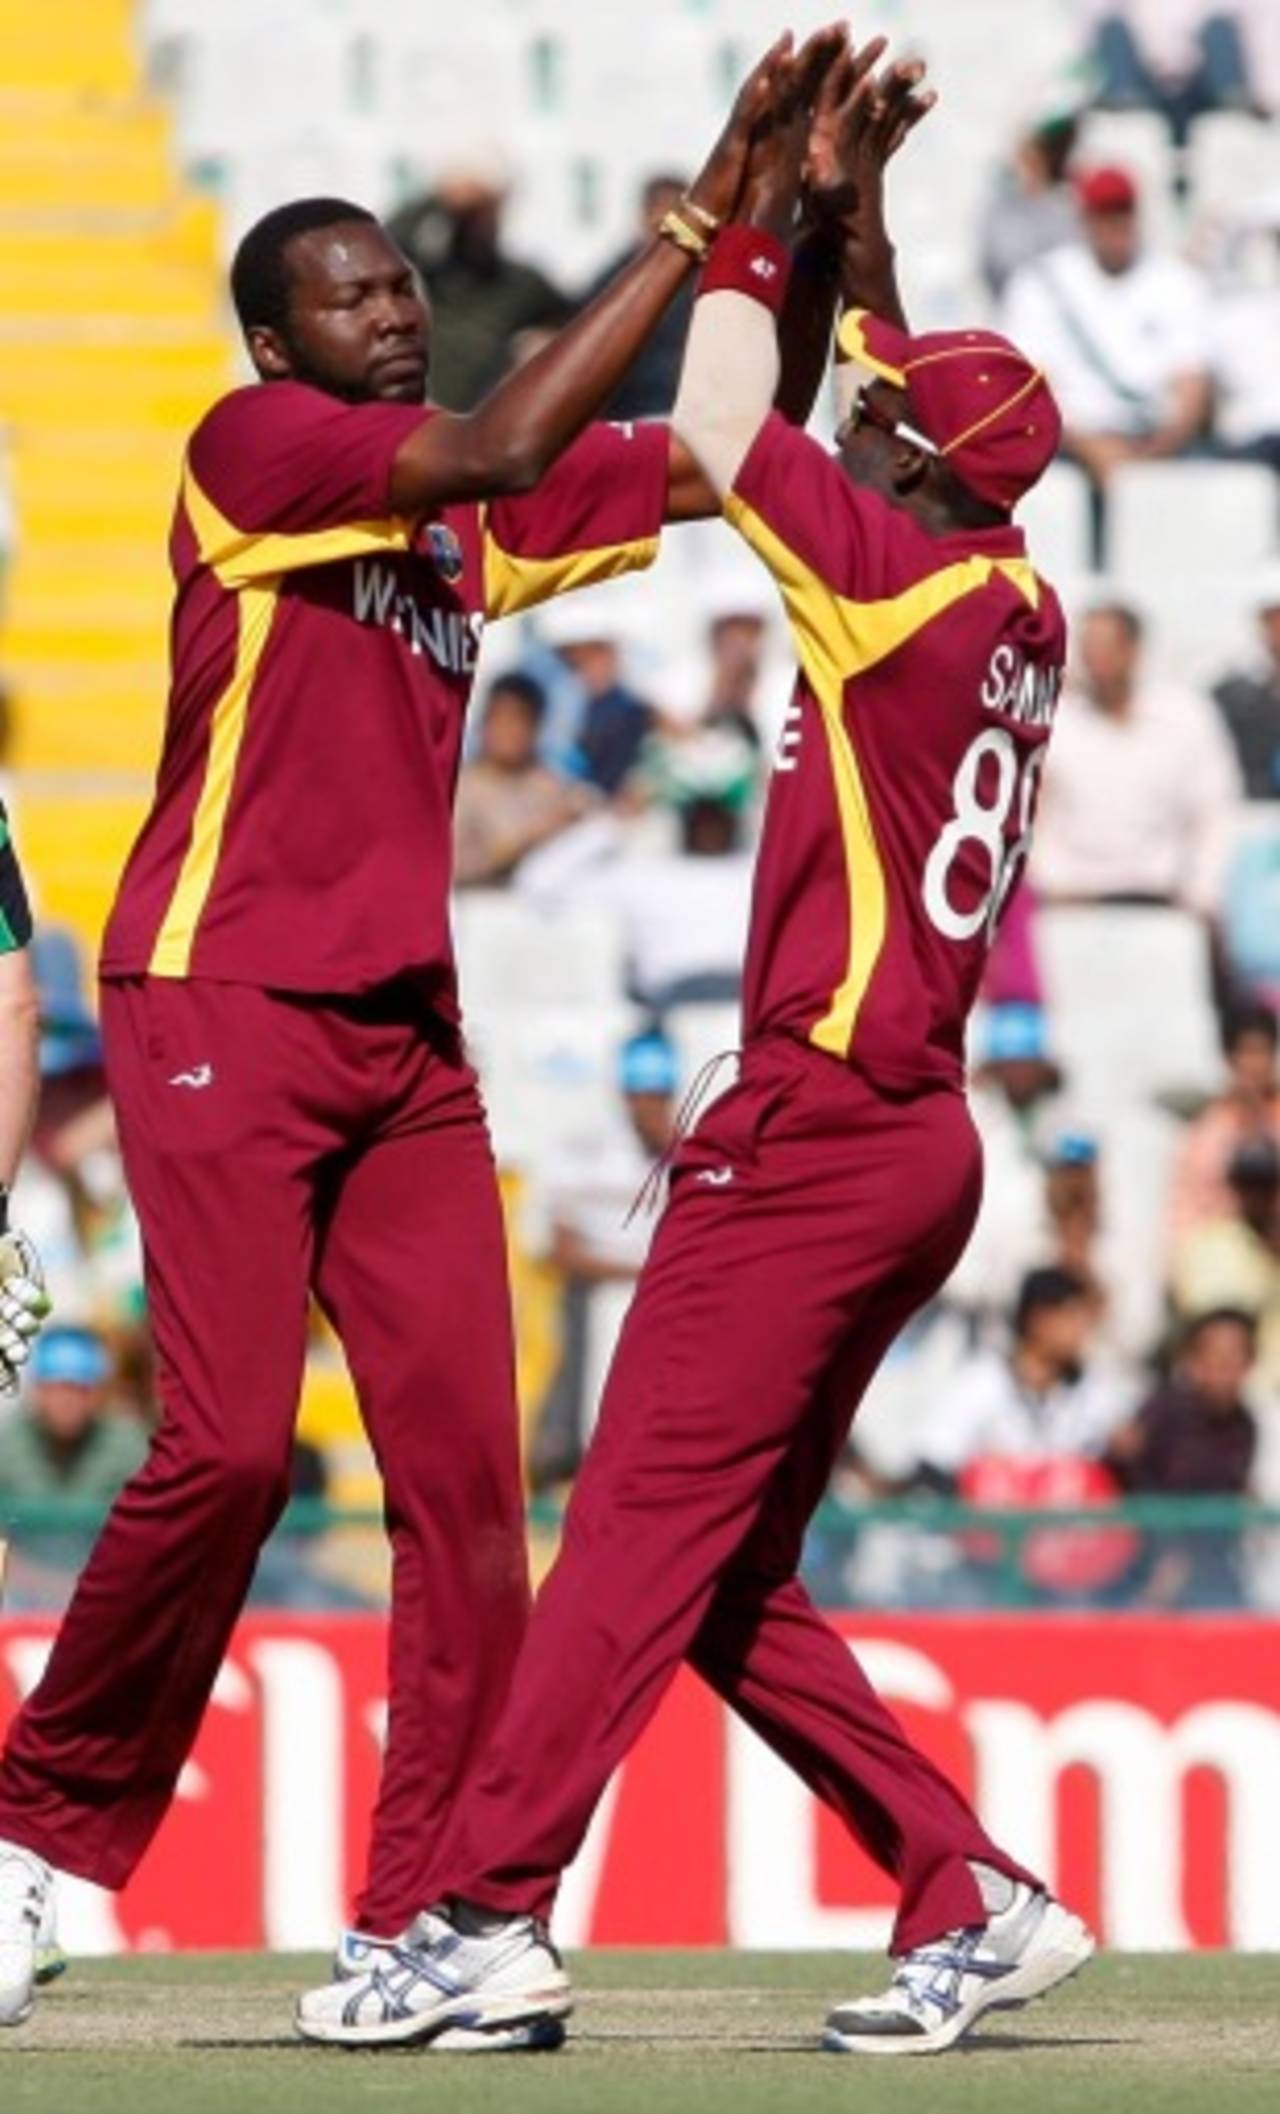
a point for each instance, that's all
(323, 656)
(819, 1202)
(907, 771)
(296, 1112)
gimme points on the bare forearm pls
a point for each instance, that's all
(869, 279)
(1187, 415)
(19, 1060)
(727, 384)
(517, 432)
(806, 323)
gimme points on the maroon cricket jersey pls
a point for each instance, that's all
(907, 771)
(323, 652)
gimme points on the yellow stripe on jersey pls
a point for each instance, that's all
(171, 955)
(239, 557)
(512, 584)
(837, 639)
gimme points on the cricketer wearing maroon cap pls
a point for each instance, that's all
(295, 1110)
(830, 1192)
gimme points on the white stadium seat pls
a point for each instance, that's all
(1056, 518)
(512, 954)
(1234, 162)
(1190, 518)
(1128, 992)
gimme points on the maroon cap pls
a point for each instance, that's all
(980, 401)
(1108, 190)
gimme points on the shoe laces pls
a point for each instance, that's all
(933, 1975)
(21, 1891)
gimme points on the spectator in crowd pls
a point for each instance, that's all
(738, 678)
(613, 721)
(1032, 208)
(649, 389)
(68, 1443)
(1028, 1428)
(1195, 1437)
(1141, 789)
(1178, 57)
(683, 912)
(1249, 700)
(1248, 1107)
(1234, 1260)
(1244, 334)
(584, 1224)
(487, 308)
(1041, 1398)
(1121, 331)
(1046, 1205)
(1015, 1088)
(724, 706)
(508, 800)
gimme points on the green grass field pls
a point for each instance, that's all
(714, 2033)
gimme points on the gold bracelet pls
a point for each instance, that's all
(677, 230)
(708, 222)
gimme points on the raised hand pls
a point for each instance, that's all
(718, 186)
(859, 123)
(780, 143)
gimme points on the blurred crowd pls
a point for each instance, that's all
(1115, 1326)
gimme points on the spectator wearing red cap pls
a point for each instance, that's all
(1121, 332)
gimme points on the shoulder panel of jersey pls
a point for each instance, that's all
(859, 579)
(279, 476)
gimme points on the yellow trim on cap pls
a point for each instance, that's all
(171, 956)
(239, 557)
(512, 584)
(836, 640)
(989, 417)
(851, 339)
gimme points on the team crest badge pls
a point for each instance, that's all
(436, 541)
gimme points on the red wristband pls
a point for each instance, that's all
(746, 260)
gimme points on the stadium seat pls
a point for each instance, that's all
(1128, 992)
(1056, 518)
(1175, 519)
(547, 1072)
(1234, 163)
(702, 1033)
(511, 954)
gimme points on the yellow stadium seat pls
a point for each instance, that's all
(112, 344)
(73, 846)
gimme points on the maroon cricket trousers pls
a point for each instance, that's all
(809, 1217)
(275, 1145)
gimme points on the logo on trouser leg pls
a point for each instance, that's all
(715, 1177)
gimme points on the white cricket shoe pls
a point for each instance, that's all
(358, 1953)
(51, 1961)
(451, 1982)
(940, 1990)
(24, 1889)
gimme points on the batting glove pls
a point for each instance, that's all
(24, 1304)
